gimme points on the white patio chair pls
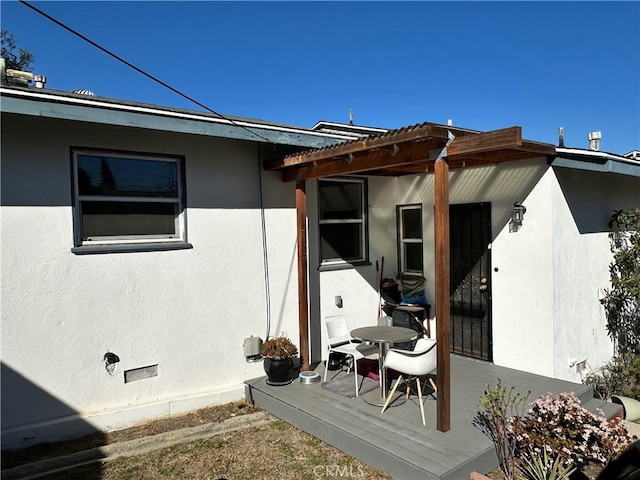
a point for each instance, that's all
(421, 361)
(340, 341)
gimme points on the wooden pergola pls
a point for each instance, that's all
(419, 149)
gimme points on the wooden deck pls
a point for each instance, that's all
(395, 442)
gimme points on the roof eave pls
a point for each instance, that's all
(602, 164)
(106, 111)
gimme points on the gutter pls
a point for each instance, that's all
(594, 154)
(154, 111)
(595, 161)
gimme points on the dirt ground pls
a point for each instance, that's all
(273, 451)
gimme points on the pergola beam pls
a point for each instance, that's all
(485, 142)
(419, 133)
(387, 158)
(409, 151)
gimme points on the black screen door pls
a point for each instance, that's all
(470, 236)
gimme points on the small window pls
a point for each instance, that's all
(410, 239)
(342, 220)
(122, 198)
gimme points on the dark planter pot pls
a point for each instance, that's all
(278, 371)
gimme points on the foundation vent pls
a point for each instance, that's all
(141, 373)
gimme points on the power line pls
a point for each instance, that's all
(139, 70)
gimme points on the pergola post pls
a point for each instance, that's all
(303, 303)
(442, 280)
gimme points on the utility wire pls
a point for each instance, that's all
(139, 70)
(265, 250)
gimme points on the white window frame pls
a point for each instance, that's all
(402, 241)
(362, 221)
(107, 240)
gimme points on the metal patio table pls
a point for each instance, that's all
(383, 336)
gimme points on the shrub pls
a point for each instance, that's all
(622, 300)
(559, 425)
(620, 376)
(496, 407)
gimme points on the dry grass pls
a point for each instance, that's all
(273, 451)
(176, 422)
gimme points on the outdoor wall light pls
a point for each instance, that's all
(517, 216)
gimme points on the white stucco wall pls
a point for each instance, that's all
(523, 319)
(357, 286)
(565, 247)
(501, 185)
(545, 277)
(187, 310)
(583, 203)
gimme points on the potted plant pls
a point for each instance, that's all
(278, 354)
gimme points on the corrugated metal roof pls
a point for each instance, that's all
(390, 134)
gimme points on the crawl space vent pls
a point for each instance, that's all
(141, 373)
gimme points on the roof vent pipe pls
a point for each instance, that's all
(561, 137)
(39, 81)
(594, 140)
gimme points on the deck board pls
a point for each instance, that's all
(396, 442)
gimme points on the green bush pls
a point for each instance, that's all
(622, 300)
(496, 406)
(620, 376)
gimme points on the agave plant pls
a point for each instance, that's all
(540, 466)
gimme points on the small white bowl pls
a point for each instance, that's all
(309, 377)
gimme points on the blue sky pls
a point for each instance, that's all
(485, 65)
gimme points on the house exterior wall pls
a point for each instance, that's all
(502, 185)
(581, 257)
(545, 277)
(187, 311)
(562, 250)
(523, 318)
(357, 286)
